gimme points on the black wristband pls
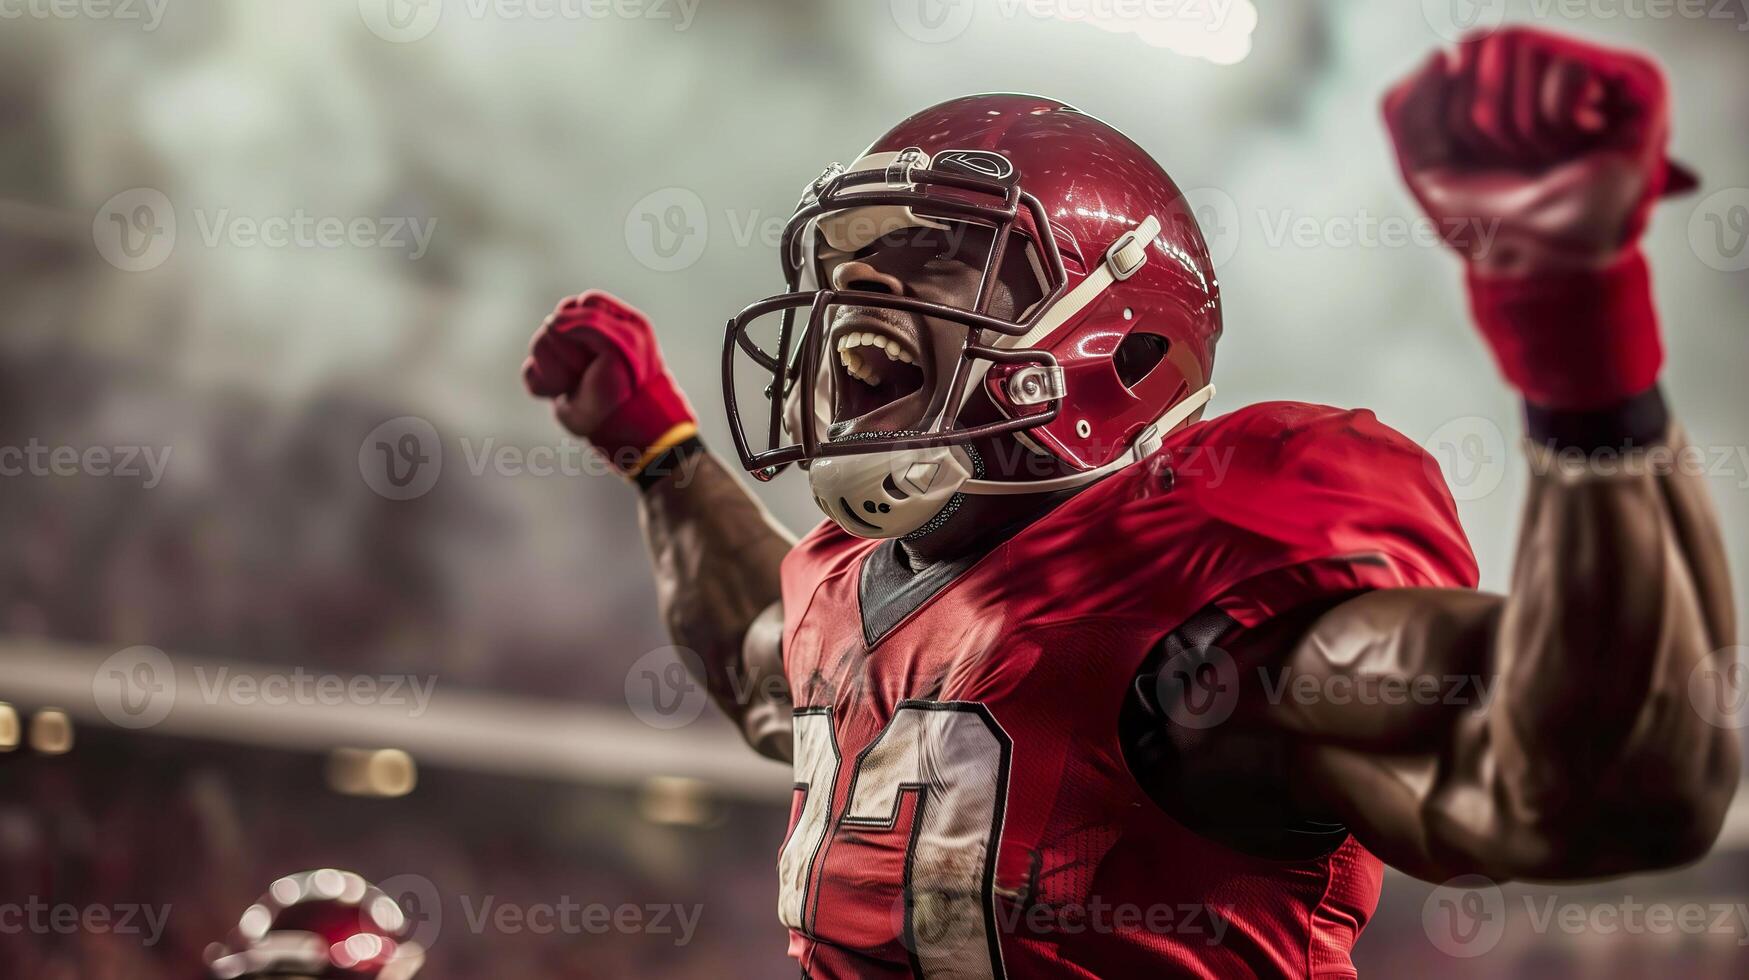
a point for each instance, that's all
(677, 458)
(1642, 420)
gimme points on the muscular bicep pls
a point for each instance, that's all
(1386, 670)
(1385, 698)
(1380, 700)
(766, 722)
(1396, 719)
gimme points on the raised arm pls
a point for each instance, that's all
(1560, 738)
(1541, 158)
(714, 549)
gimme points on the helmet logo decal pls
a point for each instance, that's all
(981, 163)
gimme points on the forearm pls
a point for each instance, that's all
(1619, 595)
(715, 552)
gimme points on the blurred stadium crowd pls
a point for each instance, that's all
(185, 836)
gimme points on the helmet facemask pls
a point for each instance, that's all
(897, 387)
(785, 336)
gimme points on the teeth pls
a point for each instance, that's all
(861, 372)
(865, 371)
(891, 348)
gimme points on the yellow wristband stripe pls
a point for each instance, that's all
(673, 437)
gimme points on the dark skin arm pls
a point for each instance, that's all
(1588, 757)
(716, 552)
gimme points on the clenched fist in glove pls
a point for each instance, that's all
(599, 362)
(1539, 158)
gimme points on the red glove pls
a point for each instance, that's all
(1540, 158)
(598, 359)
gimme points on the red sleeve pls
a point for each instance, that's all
(1331, 501)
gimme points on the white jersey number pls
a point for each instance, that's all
(956, 758)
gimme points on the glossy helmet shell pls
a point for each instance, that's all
(1076, 188)
(1095, 185)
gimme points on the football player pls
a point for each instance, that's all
(1077, 682)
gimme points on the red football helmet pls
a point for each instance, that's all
(1123, 269)
(320, 925)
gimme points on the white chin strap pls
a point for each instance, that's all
(913, 492)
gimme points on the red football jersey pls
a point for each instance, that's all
(962, 804)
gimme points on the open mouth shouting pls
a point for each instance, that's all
(881, 379)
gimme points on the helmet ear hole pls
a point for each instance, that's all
(1137, 356)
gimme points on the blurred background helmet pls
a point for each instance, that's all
(327, 924)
